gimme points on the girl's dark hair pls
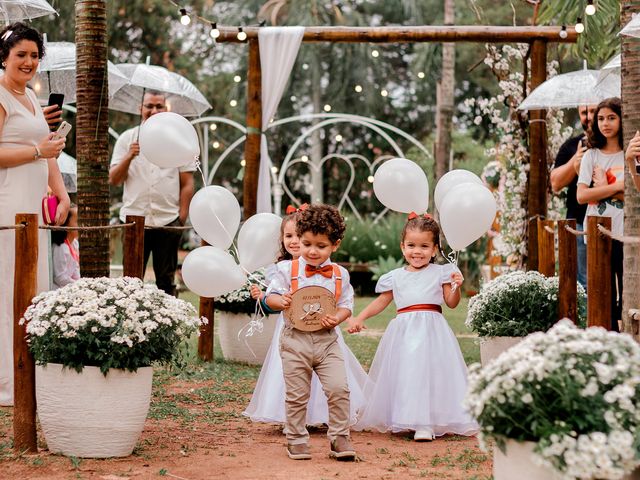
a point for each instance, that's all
(59, 236)
(19, 31)
(423, 223)
(595, 138)
(321, 219)
(284, 255)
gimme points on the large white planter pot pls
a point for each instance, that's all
(89, 415)
(516, 463)
(492, 347)
(239, 348)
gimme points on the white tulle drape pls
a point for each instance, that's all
(278, 51)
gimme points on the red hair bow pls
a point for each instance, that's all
(291, 209)
(413, 215)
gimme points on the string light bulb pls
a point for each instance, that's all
(579, 25)
(242, 36)
(420, 74)
(327, 108)
(233, 103)
(237, 78)
(590, 9)
(215, 33)
(185, 19)
(563, 32)
(384, 92)
(358, 88)
(375, 53)
(213, 127)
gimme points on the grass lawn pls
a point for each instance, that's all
(364, 346)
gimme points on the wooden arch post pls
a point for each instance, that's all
(537, 37)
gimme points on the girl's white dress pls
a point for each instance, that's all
(267, 403)
(418, 378)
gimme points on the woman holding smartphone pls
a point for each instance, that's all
(28, 155)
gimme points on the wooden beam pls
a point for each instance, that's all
(598, 273)
(546, 248)
(133, 248)
(537, 191)
(567, 271)
(405, 34)
(254, 126)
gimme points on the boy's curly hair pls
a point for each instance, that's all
(424, 223)
(321, 219)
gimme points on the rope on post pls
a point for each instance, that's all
(574, 231)
(12, 227)
(185, 227)
(620, 238)
(86, 228)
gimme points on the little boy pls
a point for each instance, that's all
(321, 229)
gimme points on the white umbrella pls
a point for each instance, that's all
(632, 29)
(69, 169)
(16, 10)
(572, 90)
(610, 72)
(182, 95)
(57, 73)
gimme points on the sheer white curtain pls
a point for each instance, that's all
(278, 50)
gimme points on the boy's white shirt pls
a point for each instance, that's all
(281, 282)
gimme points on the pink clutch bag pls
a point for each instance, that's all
(49, 207)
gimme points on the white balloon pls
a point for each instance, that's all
(259, 241)
(169, 140)
(211, 272)
(466, 213)
(450, 180)
(215, 215)
(401, 185)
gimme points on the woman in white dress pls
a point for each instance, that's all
(27, 164)
(418, 377)
(267, 402)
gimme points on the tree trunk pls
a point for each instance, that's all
(445, 93)
(92, 144)
(630, 124)
(315, 168)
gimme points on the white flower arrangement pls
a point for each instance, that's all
(575, 392)
(109, 323)
(240, 301)
(512, 131)
(518, 303)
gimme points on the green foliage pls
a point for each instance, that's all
(108, 323)
(518, 303)
(365, 240)
(385, 265)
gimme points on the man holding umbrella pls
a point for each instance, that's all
(565, 174)
(161, 195)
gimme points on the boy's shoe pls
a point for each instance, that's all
(299, 451)
(341, 449)
(424, 435)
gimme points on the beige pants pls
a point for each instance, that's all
(303, 353)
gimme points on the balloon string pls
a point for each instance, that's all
(199, 168)
(255, 325)
(452, 258)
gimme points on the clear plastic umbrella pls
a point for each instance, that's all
(16, 10)
(632, 29)
(57, 73)
(610, 69)
(69, 169)
(572, 90)
(182, 95)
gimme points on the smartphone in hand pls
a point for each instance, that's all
(56, 99)
(62, 131)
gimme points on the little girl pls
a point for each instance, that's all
(418, 377)
(601, 185)
(268, 401)
(66, 258)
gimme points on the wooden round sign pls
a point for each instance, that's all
(308, 306)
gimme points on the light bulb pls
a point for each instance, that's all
(233, 103)
(184, 19)
(358, 88)
(590, 8)
(384, 93)
(305, 66)
(375, 53)
(215, 145)
(237, 78)
(213, 127)
(579, 26)
(420, 74)
(293, 98)
(563, 32)
(370, 179)
(338, 138)
(327, 108)
(274, 169)
(243, 162)
(215, 33)
(304, 158)
(242, 36)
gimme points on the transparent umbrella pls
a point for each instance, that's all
(57, 73)
(632, 29)
(572, 90)
(182, 95)
(610, 72)
(16, 10)
(69, 169)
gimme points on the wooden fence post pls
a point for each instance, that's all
(24, 374)
(133, 248)
(567, 271)
(532, 252)
(206, 339)
(546, 248)
(598, 273)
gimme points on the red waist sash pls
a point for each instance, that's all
(421, 307)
